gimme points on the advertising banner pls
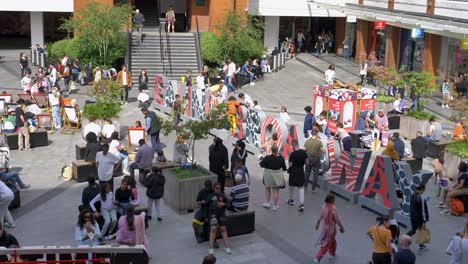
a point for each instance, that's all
(334, 114)
(348, 117)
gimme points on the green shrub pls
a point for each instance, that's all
(102, 110)
(459, 148)
(211, 48)
(421, 115)
(182, 174)
(381, 98)
(65, 46)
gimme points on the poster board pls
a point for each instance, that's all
(342, 105)
(134, 135)
(3, 107)
(7, 97)
(45, 121)
(319, 104)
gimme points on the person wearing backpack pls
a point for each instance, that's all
(460, 189)
(155, 191)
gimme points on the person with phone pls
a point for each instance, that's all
(327, 238)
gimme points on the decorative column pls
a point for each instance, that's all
(271, 32)
(361, 37)
(392, 46)
(432, 45)
(340, 34)
(37, 29)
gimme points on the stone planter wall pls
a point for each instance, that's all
(386, 107)
(451, 165)
(180, 195)
(409, 126)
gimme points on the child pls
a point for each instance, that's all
(138, 124)
(161, 157)
(155, 191)
(123, 196)
(242, 170)
(454, 249)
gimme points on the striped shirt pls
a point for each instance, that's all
(240, 197)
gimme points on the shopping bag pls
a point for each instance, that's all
(423, 236)
(67, 173)
(376, 145)
(72, 86)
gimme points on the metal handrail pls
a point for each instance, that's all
(168, 52)
(161, 44)
(198, 43)
(128, 57)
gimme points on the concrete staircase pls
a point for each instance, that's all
(179, 54)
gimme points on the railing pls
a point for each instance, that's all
(198, 43)
(99, 254)
(128, 55)
(168, 52)
(162, 26)
(278, 62)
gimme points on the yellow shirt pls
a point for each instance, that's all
(380, 237)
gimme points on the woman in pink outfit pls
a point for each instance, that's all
(132, 229)
(330, 218)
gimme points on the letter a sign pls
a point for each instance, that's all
(379, 24)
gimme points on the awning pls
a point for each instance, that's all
(439, 25)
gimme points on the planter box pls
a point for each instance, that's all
(451, 165)
(180, 195)
(409, 126)
(386, 107)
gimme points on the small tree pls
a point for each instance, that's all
(421, 83)
(194, 130)
(98, 26)
(108, 103)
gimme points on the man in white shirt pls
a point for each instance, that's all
(92, 127)
(330, 75)
(200, 81)
(223, 93)
(105, 162)
(230, 74)
(246, 100)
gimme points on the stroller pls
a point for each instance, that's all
(143, 97)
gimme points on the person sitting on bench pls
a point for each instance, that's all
(14, 178)
(92, 147)
(239, 197)
(201, 215)
(217, 214)
(143, 158)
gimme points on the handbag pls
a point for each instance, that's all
(423, 236)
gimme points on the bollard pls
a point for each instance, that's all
(280, 62)
(275, 63)
(42, 60)
(283, 60)
(36, 58)
(32, 57)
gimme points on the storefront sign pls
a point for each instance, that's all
(351, 19)
(464, 43)
(379, 24)
(417, 33)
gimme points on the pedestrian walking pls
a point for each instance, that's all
(381, 236)
(445, 94)
(138, 19)
(314, 148)
(170, 19)
(363, 71)
(309, 120)
(155, 191)
(23, 63)
(327, 238)
(273, 177)
(329, 75)
(404, 255)
(125, 80)
(346, 48)
(419, 213)
(297, 160)
(153, 126)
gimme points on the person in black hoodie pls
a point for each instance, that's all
(419, 148)
(219, 160)
(419, 213)
(89, 193)
(155, 191)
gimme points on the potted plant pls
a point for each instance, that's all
(419, 83)
(183, 183)
(455, 152)
(107, 103)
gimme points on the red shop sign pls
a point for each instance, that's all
(379, 24)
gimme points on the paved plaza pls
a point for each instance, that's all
(49, 208)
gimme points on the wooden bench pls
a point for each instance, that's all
(237, 224)
(37, 139)
(82, 170)
(436, 148)
(393, 121)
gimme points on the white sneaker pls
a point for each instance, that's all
(57, 127)
(443, 106)
(275, 208)
(446, 106)
(266, 205)
(6, 224)
(316, 260)
(252, 84)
